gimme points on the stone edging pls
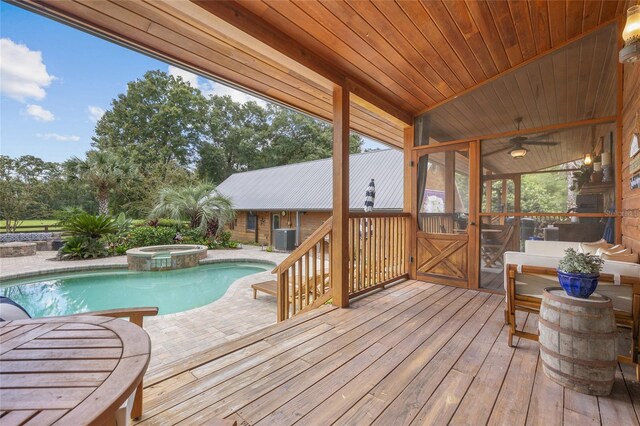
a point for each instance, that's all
(79, 268)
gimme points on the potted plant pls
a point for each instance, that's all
(578, 273)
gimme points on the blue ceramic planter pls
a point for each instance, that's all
(577, 284)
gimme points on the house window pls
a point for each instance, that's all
(252, 221)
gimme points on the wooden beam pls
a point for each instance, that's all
(253, 25)
(511, 133)
(340, 233)
(409, 205)
(518, 66)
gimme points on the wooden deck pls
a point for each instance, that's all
(415, 353)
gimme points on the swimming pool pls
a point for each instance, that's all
(172, 291)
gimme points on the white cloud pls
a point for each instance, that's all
(39, 113)
(23, 75)
(210, 88)
(187, 76)
(57, 137)
(95, 113)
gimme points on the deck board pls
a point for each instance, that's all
(414, 353)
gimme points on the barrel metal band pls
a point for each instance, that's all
(583, 362)
(577, 379)
(574, 314)
(575, 333)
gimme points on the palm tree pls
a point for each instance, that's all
(103, 171)
(200, 204)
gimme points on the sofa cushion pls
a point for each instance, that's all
(617, 249)
(549, 248)
(621, 257)
(532, 285)
(592, 248)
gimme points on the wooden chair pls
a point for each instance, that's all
(524, 288)
(494, 247)
(136, 316)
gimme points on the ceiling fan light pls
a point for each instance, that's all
(518, 152)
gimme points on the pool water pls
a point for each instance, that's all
(171, 291)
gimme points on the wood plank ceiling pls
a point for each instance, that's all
(406, 57)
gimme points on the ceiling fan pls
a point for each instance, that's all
(516, 147)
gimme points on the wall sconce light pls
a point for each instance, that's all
(631, 36)
(588, 160)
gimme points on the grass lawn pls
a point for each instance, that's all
(33, 225)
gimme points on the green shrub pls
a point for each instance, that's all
(82, 247)
(150, 236)
(90, 226)
(166, 223)
(193, 236)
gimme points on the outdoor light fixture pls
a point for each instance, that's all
(518, 152)
(631, 36)
(588, 160)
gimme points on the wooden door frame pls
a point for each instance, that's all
(473, 259)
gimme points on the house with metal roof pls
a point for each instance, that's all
(298, 196)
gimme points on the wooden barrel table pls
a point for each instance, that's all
(578, 341)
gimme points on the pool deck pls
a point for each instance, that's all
(176, 336)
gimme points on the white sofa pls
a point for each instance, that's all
(547, 254)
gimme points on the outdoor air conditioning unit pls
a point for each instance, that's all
(285, 239)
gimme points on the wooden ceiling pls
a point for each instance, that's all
(573, 144)
(574, 83)
(402, 58)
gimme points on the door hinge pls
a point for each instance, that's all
(410, 259)
(411, 163)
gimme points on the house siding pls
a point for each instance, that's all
(309, 222)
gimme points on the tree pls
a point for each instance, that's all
(200, 204)
(236, 136)
(103, 171)
(248, 137)
(24, 189)
(157, 122)
(295, 137)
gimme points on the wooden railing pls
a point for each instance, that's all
(437, 223)
(377, 250)
(377, 257)
(304, 276)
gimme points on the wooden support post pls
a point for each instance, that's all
(340, 232)
(488, 196)
(517, 196)
(475, 189)
(410, 203)
(449, 183)
(617, 168)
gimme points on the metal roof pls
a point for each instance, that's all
(307, 186)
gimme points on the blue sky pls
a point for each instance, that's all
(57, 80)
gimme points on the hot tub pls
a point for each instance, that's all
(165, 258)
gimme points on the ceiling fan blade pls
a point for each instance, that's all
(548, 143)
(497, 151)
(543, 135)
